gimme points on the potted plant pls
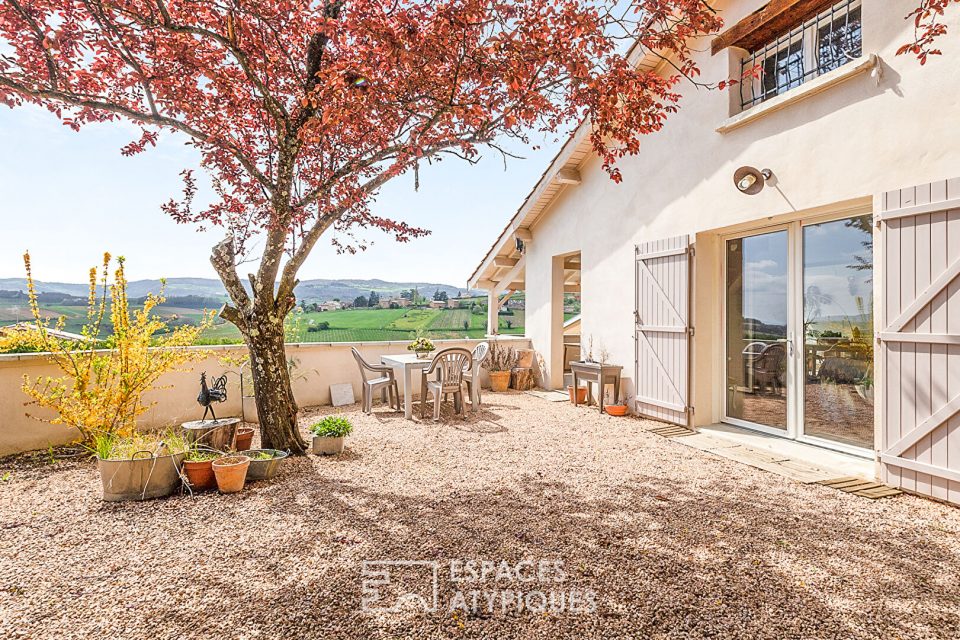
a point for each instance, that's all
(244, 439)
(231, 473)
(198, 467)
(499, 362)
(618, 408)
(421, 345)
(581, 394)
(264, 463)
(100, 391)
(139, 466)
(589, 355)
(329, 434)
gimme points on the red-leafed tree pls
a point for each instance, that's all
(927, 27)
(302, 109)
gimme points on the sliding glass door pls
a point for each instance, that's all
(838, 331)
(799, 331)
(757, 318)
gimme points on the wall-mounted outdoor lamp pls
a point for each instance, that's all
(750, 181)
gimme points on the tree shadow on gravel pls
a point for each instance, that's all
(735, 557)
(664, 560)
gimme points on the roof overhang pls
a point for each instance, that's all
(499, 264)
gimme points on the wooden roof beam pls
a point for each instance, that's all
(509, 277)
(486, 284)
(769, 21)
(568, 175)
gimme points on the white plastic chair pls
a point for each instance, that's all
(450, 365)
(386, 383)
(473, 374)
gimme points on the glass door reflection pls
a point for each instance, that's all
(757, 290)
(838, 331)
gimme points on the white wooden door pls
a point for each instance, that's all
(662, 314)
(918, 310)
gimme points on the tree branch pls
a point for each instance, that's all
(223, 260)
(104, 104)
(274, 106)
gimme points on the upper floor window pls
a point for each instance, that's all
(823, 43)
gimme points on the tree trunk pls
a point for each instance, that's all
(276, 406)
(260, 320)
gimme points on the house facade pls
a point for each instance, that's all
(782, 256)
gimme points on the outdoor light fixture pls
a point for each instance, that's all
(750, 181)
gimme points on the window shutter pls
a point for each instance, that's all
(662, 314)
(917, 253)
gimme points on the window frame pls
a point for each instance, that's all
(810, 35)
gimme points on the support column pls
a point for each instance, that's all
(554, 374)
(493, 312)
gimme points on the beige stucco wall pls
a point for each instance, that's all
(317, 366)
(831, 151)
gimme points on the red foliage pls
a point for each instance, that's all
(303, 109)
(927, 27)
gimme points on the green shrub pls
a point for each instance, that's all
(110, 446)
(332, 427)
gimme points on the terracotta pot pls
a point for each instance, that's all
(327, 446)
(616, 409)
(200, 474)
(231, 473)
(581, 394)
(499, 380)
(244, 438)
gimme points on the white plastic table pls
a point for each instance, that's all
(408, 362)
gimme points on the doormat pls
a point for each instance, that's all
(861, 487)
(672, 431)
(551, 396)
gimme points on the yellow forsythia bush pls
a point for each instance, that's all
(104, 379)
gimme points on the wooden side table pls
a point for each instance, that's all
(602, 374)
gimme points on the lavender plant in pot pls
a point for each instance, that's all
(498, 364)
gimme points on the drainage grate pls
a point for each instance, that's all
(861, 487)
(672, 431)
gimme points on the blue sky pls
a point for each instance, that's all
(69, 196)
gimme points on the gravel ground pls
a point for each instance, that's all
(651, 538)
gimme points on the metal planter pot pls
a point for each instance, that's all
(142, 477)
(264, 469)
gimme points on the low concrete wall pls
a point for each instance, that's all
(316, 367)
